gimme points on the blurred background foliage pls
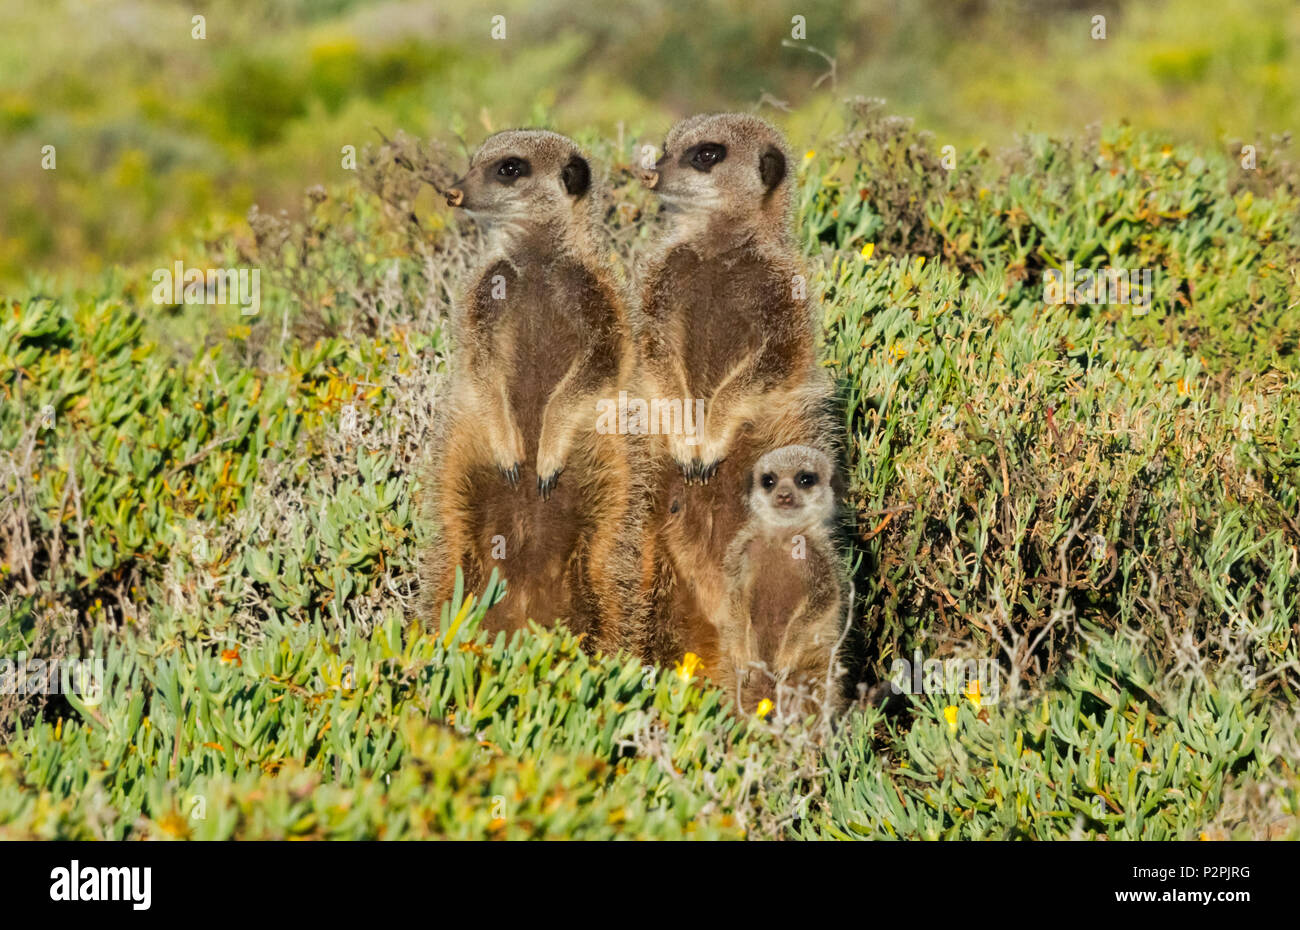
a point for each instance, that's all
(157, 133)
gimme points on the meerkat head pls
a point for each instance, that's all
(792, 488)
(724, 171)
(529, 180)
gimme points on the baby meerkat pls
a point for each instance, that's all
(522, 480)
(724, 317)
(787, 604)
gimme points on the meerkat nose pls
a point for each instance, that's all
(455, 197)
(650, 178)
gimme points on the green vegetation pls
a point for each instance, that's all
(1102, 498)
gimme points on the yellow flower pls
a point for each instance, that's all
(1184, 386)
(868, 250)
(688, 666)
(973, 694)
(809, 155)
(950, 714)
(764, 708)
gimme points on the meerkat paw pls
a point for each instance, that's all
(707, 470)
(510, 473)
(545, 485)
(508, 453)
(684, 458)
(711, 456)
(550, 463)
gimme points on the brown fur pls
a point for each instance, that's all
(786, 599)
(519, 455)
(720, 319)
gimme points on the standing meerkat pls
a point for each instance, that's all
(522, 479)
(724, 317)
(787, 607)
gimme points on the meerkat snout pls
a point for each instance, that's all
(792, 485)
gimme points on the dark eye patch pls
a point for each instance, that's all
(704, 156)
(807, 479)
(769, 481)
(509, 170)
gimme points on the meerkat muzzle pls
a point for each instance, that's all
(455, 197)
(650, 178)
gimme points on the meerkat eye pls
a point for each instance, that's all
(769, 481)
(512, 168)
(707, 155)
(807, 479)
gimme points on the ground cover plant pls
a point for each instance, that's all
(1096, 500)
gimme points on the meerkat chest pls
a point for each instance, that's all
(719, 306)
(536, 322)
(781, 573)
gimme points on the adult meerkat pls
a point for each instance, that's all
(523, 480)
(724, 317)
(787, 604)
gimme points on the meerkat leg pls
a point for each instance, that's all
(568, 412)
(611, 563)
(736, 400)
(504, 440)
(665, 377)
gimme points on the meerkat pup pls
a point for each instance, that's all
(724, 318)
(522, 479)
(787, 604)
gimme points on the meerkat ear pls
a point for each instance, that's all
(576, 175)
(771, 167)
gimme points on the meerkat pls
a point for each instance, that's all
(786, 604)
(523, 480)
(723, 316)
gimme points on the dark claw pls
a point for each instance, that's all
(547, 485)
(511, 474)
(688, 471)
(708, 471)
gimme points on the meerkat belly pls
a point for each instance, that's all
(720, 331)
(781, 585)
(533, 544)
(545, 345)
